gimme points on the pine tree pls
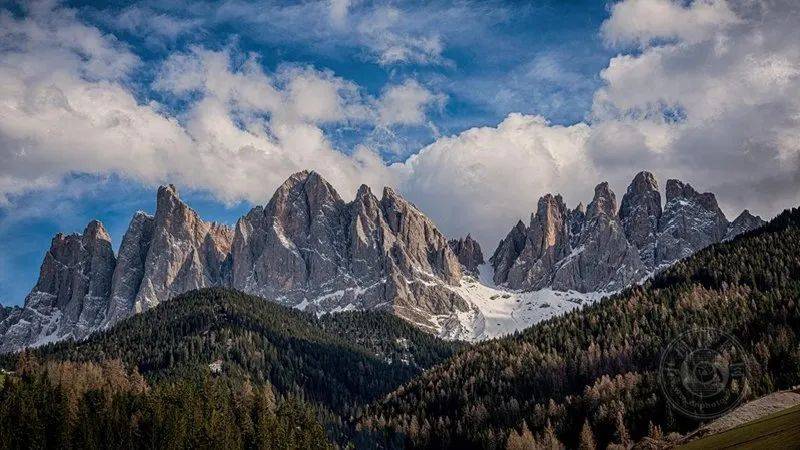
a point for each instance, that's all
(587, 437)
(621, 435)
(548, 440)
(522, 440)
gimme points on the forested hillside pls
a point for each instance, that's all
(590, 377)
(64, 405)
(340, 362)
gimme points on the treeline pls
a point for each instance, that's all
(589, 378)
(341, 363)
(64, 405)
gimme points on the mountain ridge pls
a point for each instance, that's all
(309, 249)
(328, 359)
(605, 248)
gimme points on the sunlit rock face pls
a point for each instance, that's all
(306, 248)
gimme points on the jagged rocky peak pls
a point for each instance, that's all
(365, 231)
(604, 202)
(76, 265)
(605, 249)
(300, 198)
(742, 224)
(602, 259)
(507, 252)
(294, 241)
(184, 252)
(546, 242)
(308, 247)
(548, 226)
(640, 212)
(70, 295)
(468, 252)
(690, 221)
(576, 219)
(583, 249)
(678, 190)
(421, 240)
(164, 255)
(129, 271)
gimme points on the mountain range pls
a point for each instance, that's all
(309, 249)
(603, 248)
(221, 368)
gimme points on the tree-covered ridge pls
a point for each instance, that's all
(65, 405)
(389, 338)
(320, 359)
(591, 374)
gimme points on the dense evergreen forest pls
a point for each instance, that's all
(589, 378)
(65, 405)
(329, 360)
(212, 368)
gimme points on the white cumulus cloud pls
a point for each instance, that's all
(485, 179)
(709, 95)
(66, 108)
(645, 21)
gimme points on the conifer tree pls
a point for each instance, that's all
(587, 437)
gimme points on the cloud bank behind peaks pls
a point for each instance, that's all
(709, 96)
(706, 91)
(67, 106)
(484, 179)
(717, 105)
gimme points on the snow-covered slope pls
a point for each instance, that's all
(497, 312)
(492, 311)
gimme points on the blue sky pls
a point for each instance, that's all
(471, 109)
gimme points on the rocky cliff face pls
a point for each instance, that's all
(83, 287)
(546, 243)
(742, 224)
(603, 259)
(605, 249)
(129, 272)
(165, 255)
(468, 252)
(184, 252)
(690, 221)
(309, 248)
(306, 248)
(580, 250)
(507, 252)
(69, 299)
(640, 213)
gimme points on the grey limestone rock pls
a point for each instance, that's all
(742, 224)
(468, 252)
(70, 297)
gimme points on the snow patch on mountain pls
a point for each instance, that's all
(497, 312)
